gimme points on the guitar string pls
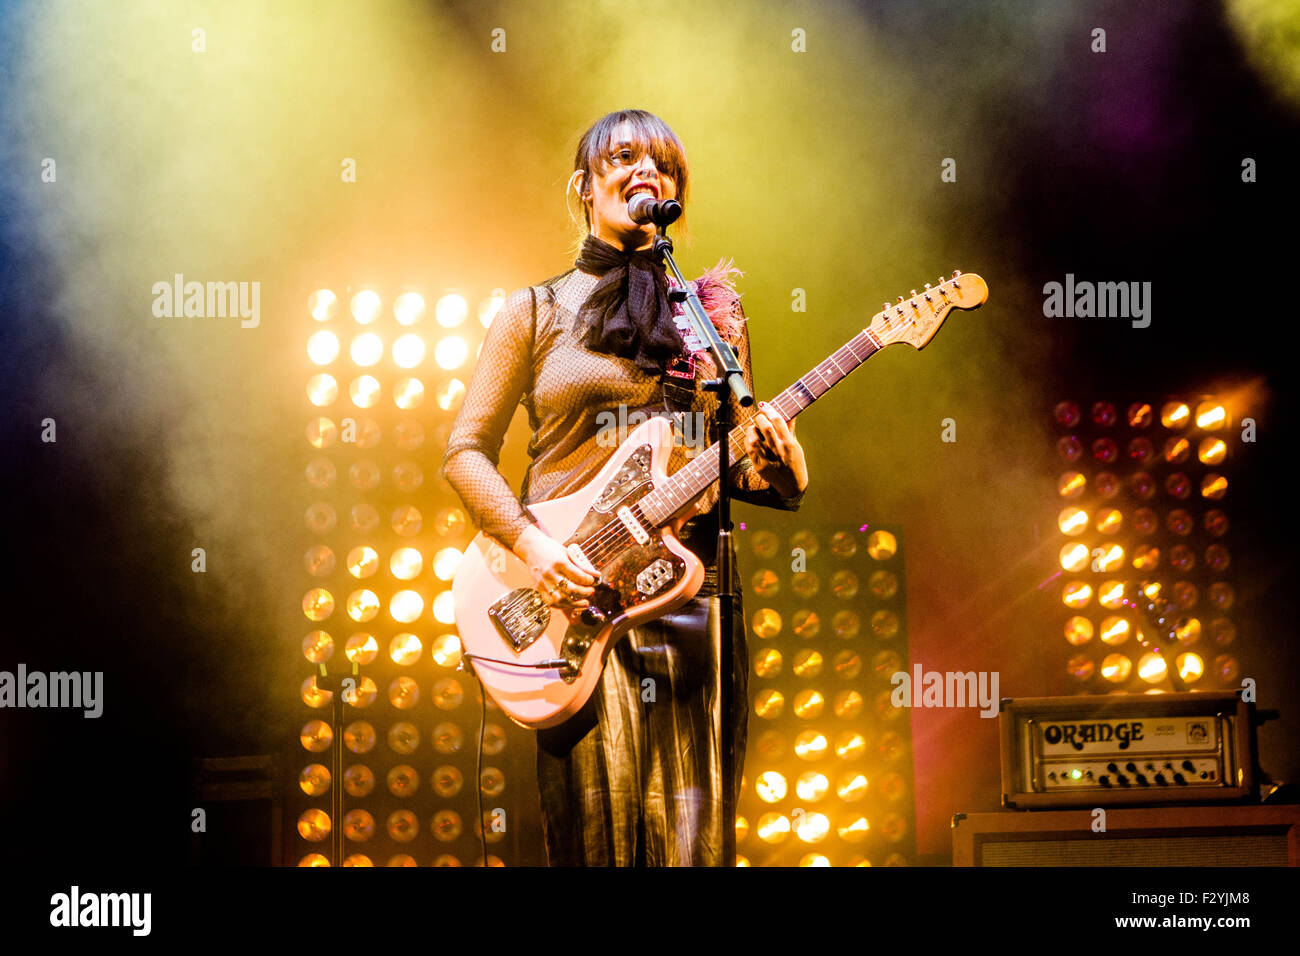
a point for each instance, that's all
(611, 537)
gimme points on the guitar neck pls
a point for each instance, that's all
(695, 478)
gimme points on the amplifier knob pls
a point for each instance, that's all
(1160, 779)
(1189, 766)
(1179, 779)
(1121, 780)
(1131, 767)
(1104, 780)
(1142, 781)
(1112, 768)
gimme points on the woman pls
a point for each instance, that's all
(634, 778)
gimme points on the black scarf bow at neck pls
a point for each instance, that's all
(628, 313)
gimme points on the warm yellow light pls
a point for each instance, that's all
(770, 787)
(408, 308)
(769, 704)
(852, 786)
(1214, 486)
(446, 650)
(812, 827)
(854, 831)
(1078, 630)
(1110, 559)
(767, 663)
(1151, 668)
(771, 828)
(1115, 630)
(444, 608)
(1076, 594)
(1190, 667)
(1212, 451)
(323, 347)
(1074, 557)
(1071, 484)
(882, 545)
(323, 305)
(406, 606)
(450, 394)
(1116, 668)
(1109, 520)
(1072, 520)
(366, 306)
(366, 349)
(451, 310)
(361, 649)
(811, 786)
(808, 704)
(445, 563)
(322, 389)
(364, 391)
(363, 561)
(1175, 415)
(1111, 594)
(450, 353)
(810, 745)
(363, 605)
(408, 393)
(850, 745)
(1211, 416)
(317, 604)
(405, 649)
(408, 351)
(406, 563)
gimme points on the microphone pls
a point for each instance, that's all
(644, 208)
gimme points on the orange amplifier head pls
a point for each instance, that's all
(1127, 749)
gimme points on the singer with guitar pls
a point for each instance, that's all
(632, 779)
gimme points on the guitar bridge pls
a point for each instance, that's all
(520, 617)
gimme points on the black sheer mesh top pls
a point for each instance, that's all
(533, 354)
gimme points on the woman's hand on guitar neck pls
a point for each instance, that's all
(560, 581)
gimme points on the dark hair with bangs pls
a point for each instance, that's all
(648, 132)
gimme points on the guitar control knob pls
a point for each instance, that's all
(591, 616)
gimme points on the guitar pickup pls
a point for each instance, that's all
(520, 617)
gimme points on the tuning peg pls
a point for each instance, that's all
(927, 287)
(900, 298)
(956, 273)
(884, 306)
(939, 280)
(913, 293)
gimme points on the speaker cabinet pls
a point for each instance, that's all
(1148, 836)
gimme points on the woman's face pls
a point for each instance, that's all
(629, 170)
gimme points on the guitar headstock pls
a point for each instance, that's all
(915, 320)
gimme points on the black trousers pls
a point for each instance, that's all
(635, 778)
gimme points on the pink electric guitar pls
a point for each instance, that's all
(541, 664)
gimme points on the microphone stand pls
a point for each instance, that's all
(732, 379)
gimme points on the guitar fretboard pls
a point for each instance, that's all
(693, 479)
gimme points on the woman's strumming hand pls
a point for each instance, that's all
(560, 581)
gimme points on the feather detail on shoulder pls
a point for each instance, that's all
(717, 291)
